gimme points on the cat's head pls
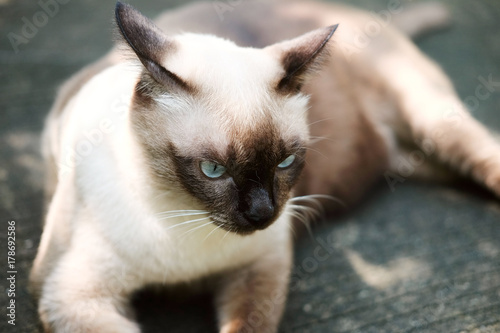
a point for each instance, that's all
(225, 124)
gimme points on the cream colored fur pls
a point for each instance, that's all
(103, 237)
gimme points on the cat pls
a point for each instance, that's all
(181, 156)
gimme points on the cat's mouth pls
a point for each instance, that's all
(241, 225)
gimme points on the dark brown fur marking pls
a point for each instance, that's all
(149, 44)
(252, 186)
(300, 59)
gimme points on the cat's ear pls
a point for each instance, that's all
(300, 56)
(148, 42)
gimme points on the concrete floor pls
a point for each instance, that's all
(424, 258)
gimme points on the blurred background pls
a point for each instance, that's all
(417, 258)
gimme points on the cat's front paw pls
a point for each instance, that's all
(492, 182)
(240, 326)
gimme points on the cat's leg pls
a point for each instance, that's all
(84, 293)
(252, 299)
(433, 117)
(415, 164)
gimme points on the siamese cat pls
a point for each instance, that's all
(182, 155)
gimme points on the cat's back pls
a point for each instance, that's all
(262, 23)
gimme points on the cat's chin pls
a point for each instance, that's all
(244, 228)
(246, 232)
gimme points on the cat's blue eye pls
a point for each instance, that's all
(212, 169)
(287, 162)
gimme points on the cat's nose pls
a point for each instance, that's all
(260, 209)
(259, 215)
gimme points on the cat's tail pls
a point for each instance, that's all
(418, 19)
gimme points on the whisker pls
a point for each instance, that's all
(188, 222)
(161, 195)
(313, 201)
(306, 214)
(303, 219)
(318, 121)
(227, 233)
(181, 211)
(198, 227)
(319, 196)
(319, 211)
(290, 226)
(211, 232)
(318, 152)
(181, 215)
(315, 139)
(310, 212)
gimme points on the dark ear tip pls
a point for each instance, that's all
(123, 12)
(332, 29)
(118, 7)
(118, 10)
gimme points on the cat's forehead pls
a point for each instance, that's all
(215, 65)
(215, 128)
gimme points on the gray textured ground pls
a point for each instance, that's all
(423, 258)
